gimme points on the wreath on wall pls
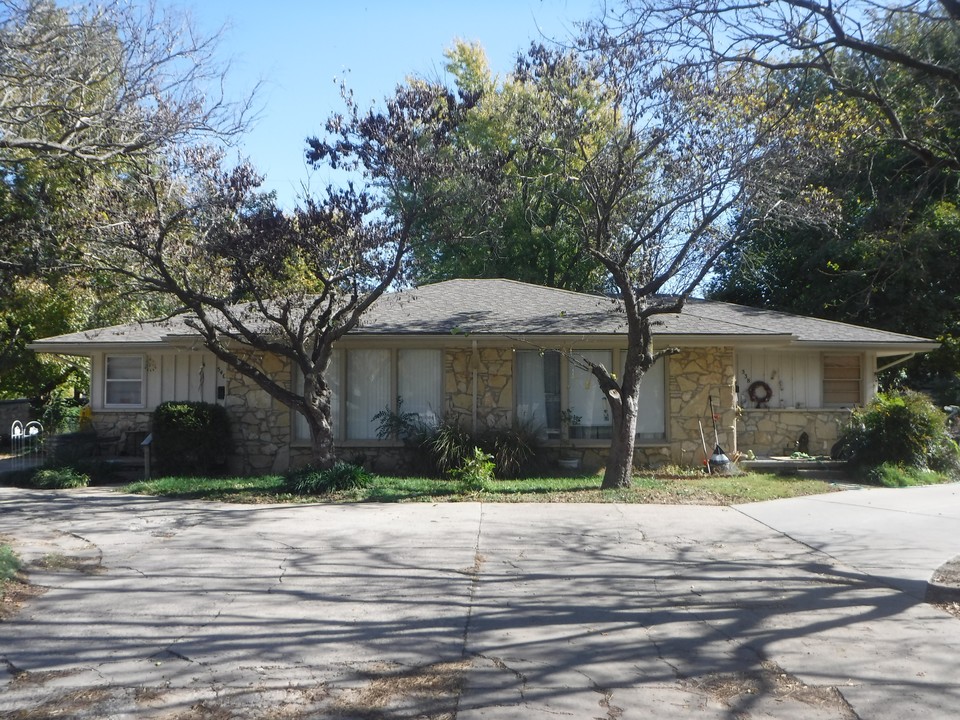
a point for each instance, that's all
(760, 393)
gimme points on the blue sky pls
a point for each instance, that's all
(299, 50)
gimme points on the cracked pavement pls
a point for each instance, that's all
(804, 608)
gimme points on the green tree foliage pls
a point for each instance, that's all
(512, 214)
(893, 258)
(654, 168)
(85, 90)
(895, 62)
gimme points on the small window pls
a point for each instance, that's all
(842, 380)
(124, 381)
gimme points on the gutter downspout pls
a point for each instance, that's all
(475, 367)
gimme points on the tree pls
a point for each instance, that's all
(895, 61)
(257, 282)
(517, 219)
(85, 90)
(897, 235)
(686, 153)
(97, 82)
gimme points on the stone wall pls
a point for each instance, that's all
(494, 368)
(261, 426)
(696, 375)
(114, 424)
(11, 410)
(775, 432)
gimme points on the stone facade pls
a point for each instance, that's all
(696, 375)
(263, 430)
(115, 424)
(776, 432)
(494, 368)
(261, 426)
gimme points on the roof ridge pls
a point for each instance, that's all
(813, 318)
(523, 284)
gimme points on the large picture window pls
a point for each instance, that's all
(365, 382)
(545, 396)
(588, 409)
(652, 404)
(368, 391)
(123, 385)
(418, 384)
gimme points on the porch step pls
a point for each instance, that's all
(126, 469)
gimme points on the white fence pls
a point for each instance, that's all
(26, 444)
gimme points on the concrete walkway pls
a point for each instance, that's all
(808, 608)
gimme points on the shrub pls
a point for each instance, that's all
(313, 481)
(901, 429)
(191, 437)
(513, 449)
(61, 415)
(59, 479)
(892, 476)
(475, 471)
(397, 424)
(449, 446)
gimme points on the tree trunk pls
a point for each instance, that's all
(619, 471)
(317, 397)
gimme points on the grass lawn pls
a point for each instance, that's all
(666, 489)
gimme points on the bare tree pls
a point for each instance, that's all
(94, 81)
(256, 283)
(899, 62)
(692, 159)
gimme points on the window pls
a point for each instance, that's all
(368, 391)
(363, 383)
(538, 392)
(123, 386)
(586, 403)
(652, 404)
(842, 380)
(418, 384)
(543, 393)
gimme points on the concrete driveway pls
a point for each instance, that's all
(809, 608)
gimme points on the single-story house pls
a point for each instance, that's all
(491, 353)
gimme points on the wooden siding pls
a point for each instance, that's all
(794, 378)
(186, 375)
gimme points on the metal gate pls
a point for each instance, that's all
(26, 444)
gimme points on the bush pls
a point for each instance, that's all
(448, 446)
(513, 449)
(313, 481)
(191, 438)
(59, 479)
(475, 471)
(61, 415)
(902, 429)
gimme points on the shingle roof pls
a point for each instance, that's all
(507, 307)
